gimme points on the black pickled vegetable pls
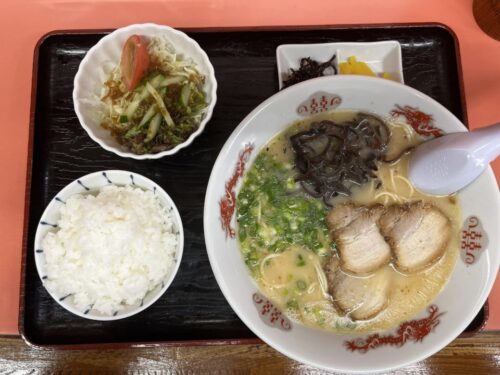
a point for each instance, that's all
(332, 158)
(310, 68)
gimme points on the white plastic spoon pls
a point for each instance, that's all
(449, 163)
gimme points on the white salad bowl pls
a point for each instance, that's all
(92, 183)
(102, 58)
(432, 328)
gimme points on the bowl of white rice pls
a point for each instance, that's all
(109, 245)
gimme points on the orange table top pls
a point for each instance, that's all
(23, 22)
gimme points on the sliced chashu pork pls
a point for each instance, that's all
(417, 233)
(362, 248)
(361, 298)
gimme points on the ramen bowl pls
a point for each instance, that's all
(437, 323)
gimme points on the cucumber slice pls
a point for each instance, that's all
(185, 93)
(129, 112)
(154, 125)
(149, 114)
(172, 81)
(161, 105)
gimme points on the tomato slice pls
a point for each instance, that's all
(135, 61)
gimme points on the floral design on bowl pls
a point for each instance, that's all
(473, 241)
(270, 314)
(319, 102)
(227, 204)
(413, 330)
(421, 122)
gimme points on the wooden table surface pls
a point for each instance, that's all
(475, 355)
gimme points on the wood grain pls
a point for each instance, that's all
(477, 355)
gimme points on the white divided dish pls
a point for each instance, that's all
(380, 56)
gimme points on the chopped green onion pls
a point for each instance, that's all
(292, 304)
(123, 119)
(301, 285)
(300, 261)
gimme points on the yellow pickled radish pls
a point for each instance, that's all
(353, 66)
(387, 76)
(363, 69)
(345, 68)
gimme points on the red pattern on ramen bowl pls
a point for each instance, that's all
(318, 103)
(413, 330)
(473, 240)
(421, 122)
(270, 314)
(227, 204)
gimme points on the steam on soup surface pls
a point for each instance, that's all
(333, 232)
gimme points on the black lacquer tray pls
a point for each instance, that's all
(193, 311)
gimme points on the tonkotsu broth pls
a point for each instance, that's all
(293, 277)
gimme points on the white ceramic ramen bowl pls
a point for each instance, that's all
(460, 300)
(93, 182)
(102, 58)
